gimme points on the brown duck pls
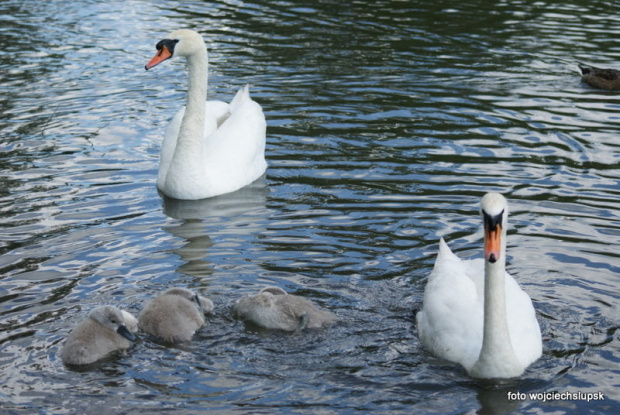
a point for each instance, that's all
(601, 78)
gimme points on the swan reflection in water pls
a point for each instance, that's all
(239, 213)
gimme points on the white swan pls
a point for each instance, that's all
(474, 313)
(209, 148)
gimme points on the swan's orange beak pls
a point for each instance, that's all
(161, 55)
(492, 242)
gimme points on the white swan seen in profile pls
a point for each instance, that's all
(209, 148)
(106, 330)
(474, 313)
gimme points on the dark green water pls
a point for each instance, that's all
(387, 121)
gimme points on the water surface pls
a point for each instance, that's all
(387, 121)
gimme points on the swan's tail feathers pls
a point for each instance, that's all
(444, 249)
(240, 97)
(445, 253)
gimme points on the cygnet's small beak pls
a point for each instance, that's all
(197, 300)
(123, 331)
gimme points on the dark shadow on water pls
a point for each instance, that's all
(504, 396)
(494, 400)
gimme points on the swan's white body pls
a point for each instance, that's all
(497, 341)
(210, 148)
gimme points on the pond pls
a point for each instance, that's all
(387, 122)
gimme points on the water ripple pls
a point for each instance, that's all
(386, 123)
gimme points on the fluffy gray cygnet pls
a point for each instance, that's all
(274, 308)
(175, 315)
(104, 331)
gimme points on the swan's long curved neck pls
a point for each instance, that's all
(497, 357)
(496, 339)
(193, 124)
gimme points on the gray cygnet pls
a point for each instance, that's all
(104, 331)
(175, 315)
(274, 308)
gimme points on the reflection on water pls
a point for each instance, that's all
(247, 200)
(242, 213)
(387, 121)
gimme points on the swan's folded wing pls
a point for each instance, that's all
(218, 110)
(236, 150)
(523, 326)
(450, 323)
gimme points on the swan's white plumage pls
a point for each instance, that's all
(220, 152)
(450, 323)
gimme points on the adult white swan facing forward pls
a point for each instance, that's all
(210, 148)
(474, 313)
